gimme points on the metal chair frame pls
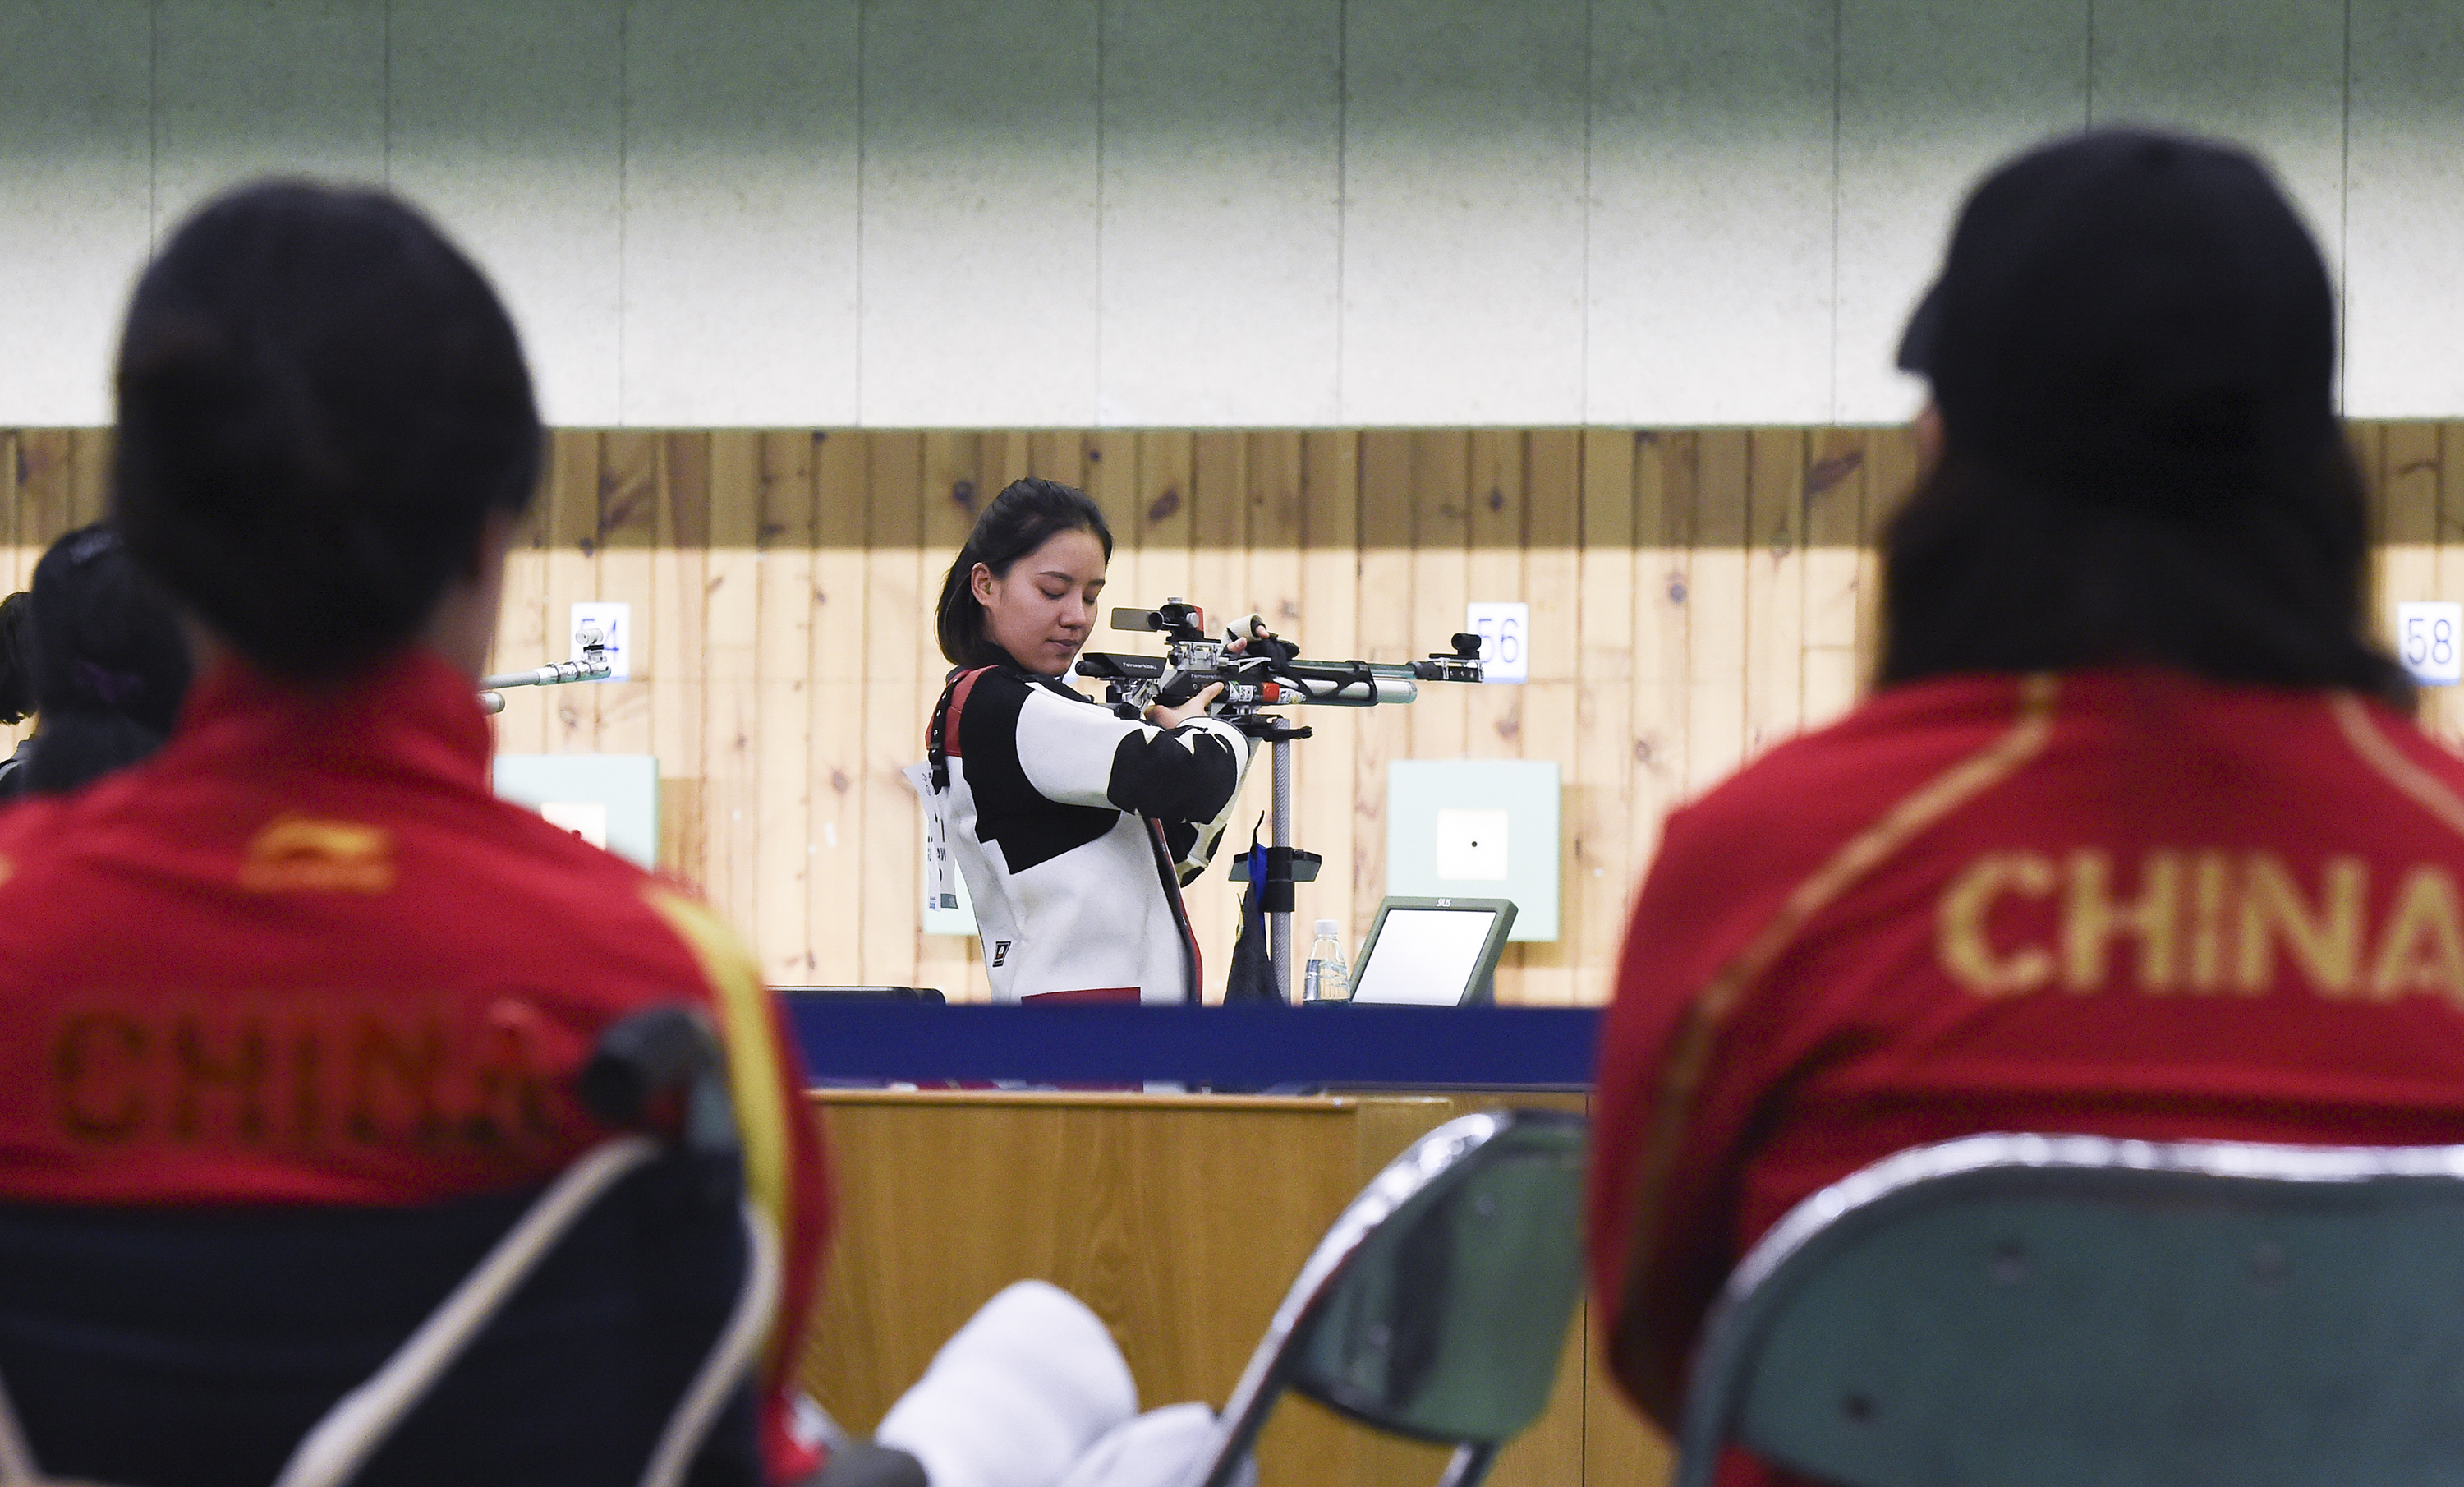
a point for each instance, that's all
(1428, 1161)
(333, 1452)
(666, 1048)
(1822, 1226)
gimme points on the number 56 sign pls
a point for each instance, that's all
(1505, 631)
(2429, 641)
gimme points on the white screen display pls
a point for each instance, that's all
(1424, 957)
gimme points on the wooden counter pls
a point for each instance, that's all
(1181, 1220)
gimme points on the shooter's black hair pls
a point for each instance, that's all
(320, 400)
(1023, 517)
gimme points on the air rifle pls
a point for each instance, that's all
(1265, 673)
(592, 665)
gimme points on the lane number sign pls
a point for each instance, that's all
(1504, 636)
(2429, 641)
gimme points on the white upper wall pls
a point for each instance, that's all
(1174, 212)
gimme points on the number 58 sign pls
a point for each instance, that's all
(2429, 641)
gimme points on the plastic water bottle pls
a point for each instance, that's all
(1326, 978)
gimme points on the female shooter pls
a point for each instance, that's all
(1075, 828)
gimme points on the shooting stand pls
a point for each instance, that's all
(1278, 680)
(1279, 732)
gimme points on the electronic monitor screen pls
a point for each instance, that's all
(1424, 954)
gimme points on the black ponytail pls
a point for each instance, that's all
(1983, 570)
(321, 402)
(1023, 517)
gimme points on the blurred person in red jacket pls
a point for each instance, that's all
(303, 955)
(2136, 837)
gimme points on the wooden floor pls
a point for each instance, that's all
(1181, 1222)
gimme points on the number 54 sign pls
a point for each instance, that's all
(2429, 641)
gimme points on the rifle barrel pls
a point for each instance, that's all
(1352, 684)
(549, 676)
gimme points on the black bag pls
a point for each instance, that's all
(1252, 976)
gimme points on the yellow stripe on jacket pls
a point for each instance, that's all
(755, 1073)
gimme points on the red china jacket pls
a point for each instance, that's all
(303, 955)
(2126, 903)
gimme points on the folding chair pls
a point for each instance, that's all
(2017, 1309)
(1437, 1306)
(604, 1334)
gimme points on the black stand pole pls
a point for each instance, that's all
(1278, 900)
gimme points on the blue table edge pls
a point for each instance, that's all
(858, 1040)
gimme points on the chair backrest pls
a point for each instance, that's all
(596, 1330)
(2015, 1309)
(1437, 1305)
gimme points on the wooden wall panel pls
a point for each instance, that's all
(1440, 722)
(895, 594)
(2446, 709)
(625, 488)
(1697, 595)
(1325, 813)
(1551, 560)
(1833, 541)
(833, 898)
(1661, 620)
(788, 556)
(1599, 784)
(1494, 728)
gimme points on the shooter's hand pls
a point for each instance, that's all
(1163, 717)
(1237, 643)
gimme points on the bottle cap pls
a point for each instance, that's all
(1328, 929)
